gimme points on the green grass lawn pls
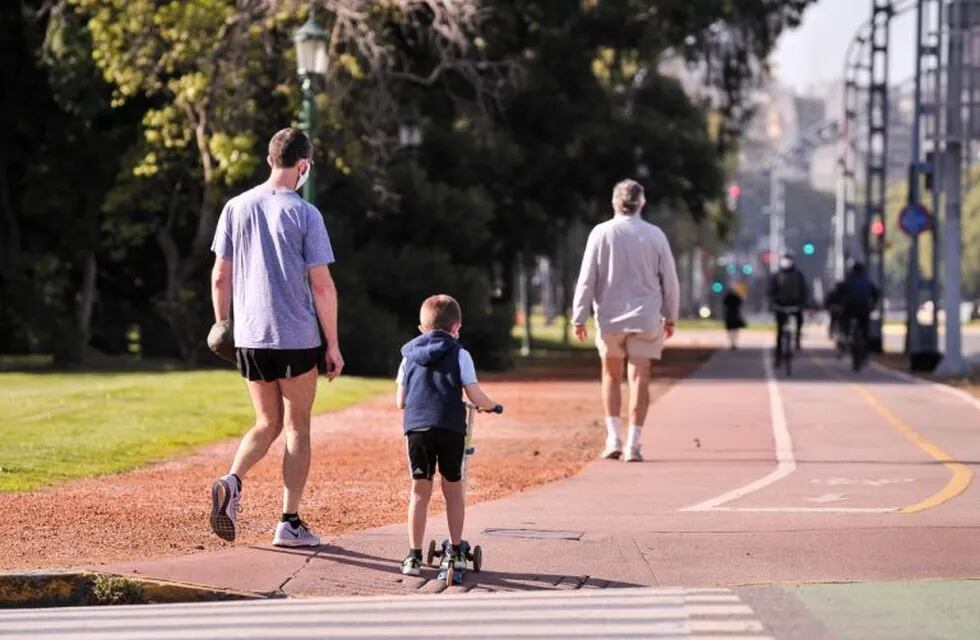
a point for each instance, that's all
(57, 426)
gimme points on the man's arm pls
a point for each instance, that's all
(400, 396)
(671, 288)
(221, 289)
(585, 287)
(325, 301)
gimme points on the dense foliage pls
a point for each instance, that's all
(129, 123)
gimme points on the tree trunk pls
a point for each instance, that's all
(86, 302)
(10, 229)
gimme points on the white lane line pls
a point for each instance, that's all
(945, 388)
(786, 461)
(807, 509)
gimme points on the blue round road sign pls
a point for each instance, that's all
(914, 219)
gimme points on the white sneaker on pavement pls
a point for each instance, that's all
(633, 454)
(226, 502)
(299, 536)
(613, 450)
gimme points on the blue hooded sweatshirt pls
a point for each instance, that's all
(433, 384)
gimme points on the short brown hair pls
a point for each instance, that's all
(288, 147)
(440, 312)
(627, 196)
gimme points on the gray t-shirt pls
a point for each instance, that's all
(272, 237)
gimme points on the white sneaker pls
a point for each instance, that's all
(612, 451)
(289, 536)
(633, 454)
(226, 502)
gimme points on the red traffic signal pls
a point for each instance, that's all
(878, 227)
(734, 192)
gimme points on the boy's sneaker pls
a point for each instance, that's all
(633, 455)
(613, 450)
(226, 503)
(299, 536)
(411, 566)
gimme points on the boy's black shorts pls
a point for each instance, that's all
(270, 365)
(432, 447)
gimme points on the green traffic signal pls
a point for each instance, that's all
(717, 286)
(809, 249)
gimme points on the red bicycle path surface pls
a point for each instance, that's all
(876, 484)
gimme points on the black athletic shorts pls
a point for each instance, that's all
(270, 365)
(432, 447)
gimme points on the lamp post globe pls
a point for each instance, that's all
(311, 62)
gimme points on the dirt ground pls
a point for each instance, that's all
(358, 478)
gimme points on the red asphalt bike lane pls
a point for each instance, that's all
(750, 478)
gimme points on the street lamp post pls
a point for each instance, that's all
(311, 63)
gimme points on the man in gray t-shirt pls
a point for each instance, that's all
(271, 268)
(629, 281)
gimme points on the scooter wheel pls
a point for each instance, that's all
(477, 558)
(431, 553)
(450, 573)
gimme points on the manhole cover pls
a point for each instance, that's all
(535, 534)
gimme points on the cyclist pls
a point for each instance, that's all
(859, 297)
(788, 290)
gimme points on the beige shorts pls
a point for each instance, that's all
(630, 344)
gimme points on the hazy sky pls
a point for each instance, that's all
(814, 52)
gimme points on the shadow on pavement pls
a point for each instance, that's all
(388, 570)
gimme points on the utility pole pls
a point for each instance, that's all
(953, 364)
(877, 160)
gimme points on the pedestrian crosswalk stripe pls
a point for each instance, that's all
(607, 613)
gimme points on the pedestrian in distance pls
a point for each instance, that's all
(628, 281)
(788, 295)
(434, 373)
(732, 302)
(271, 273)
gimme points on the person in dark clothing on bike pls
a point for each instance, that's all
(858, 299)
(787, 288)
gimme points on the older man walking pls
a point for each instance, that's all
(271, 253)
(628, 279)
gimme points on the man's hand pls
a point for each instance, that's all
(335, 363)
(581, 332)
(668, 330)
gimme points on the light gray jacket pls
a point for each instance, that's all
(628, 277)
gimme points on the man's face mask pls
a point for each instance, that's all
(785, 263)
(304, 176)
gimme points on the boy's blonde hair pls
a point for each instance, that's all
(627, 196)
(440, 312)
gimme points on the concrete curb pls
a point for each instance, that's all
(69, 588)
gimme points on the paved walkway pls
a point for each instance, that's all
(749, 479)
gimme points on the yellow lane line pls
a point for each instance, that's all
(961, 477)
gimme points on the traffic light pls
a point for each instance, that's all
(809, 249)
(878, 227)
(747, 269)
(717, 286)
(734, 195)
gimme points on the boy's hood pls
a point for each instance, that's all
(428, 348)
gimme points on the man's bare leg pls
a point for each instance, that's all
(226, 491)
(638, 371)
(297, 394)
(267, 402)
(612, 380)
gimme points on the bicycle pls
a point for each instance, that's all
(858, 344)
(785, 342)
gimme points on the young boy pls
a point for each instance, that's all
(434, 373)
